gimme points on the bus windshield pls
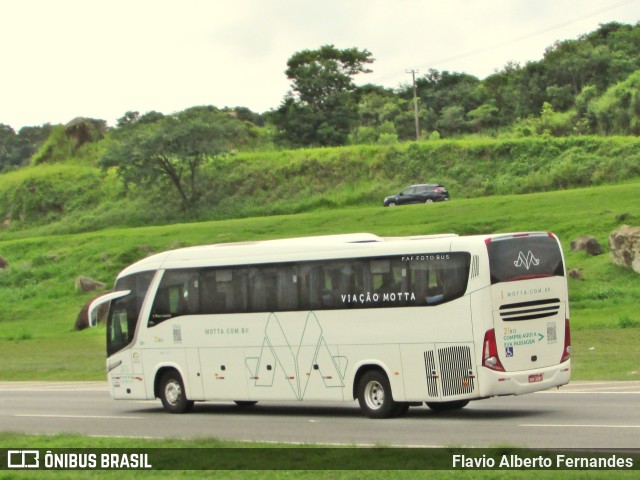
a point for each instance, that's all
(124, 311)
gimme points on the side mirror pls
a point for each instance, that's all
(93, 308)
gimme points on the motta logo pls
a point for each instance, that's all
(526, 261)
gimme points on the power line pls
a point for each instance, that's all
(415, 101)
(513, 40)
(526, 37)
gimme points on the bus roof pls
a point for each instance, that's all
(286, 249)
(312, 248)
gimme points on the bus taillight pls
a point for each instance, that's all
(566, 352)
(490, 357)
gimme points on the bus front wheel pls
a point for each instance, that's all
(374, 395)
(172, 393)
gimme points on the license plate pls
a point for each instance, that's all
(535, 378)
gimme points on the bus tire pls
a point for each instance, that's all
(374, 395)
(172, 393)
(445, 406)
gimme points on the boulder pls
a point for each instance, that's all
(576, 274)
(82, 320)
(87, 284)
(625, 247)
(588, 244)
(3, 263)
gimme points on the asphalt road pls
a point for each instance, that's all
(580, 415)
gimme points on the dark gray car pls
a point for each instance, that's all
(423, 193)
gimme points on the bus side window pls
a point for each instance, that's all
(240, 289)
(210, 300)
(455, 273)
(312, 286)
(286, 288)
(419, 284)
(223, 291)
(262, 289)
(160, 310)
(381, 275)
(436, 288)
(304, 286)
(177, 295)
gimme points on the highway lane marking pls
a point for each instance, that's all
(604, 382)
(92, 417)
(589, 392)
(37, 386)
(578, 426)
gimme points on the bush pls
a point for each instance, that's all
(625, 321)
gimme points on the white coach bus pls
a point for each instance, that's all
(391, 322)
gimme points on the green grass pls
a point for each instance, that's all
(39, 301)
(605, 354)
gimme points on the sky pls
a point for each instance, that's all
(67, 58)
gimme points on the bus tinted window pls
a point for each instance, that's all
(178, 294)
(413, 280)
(124, 312)
(520, 258)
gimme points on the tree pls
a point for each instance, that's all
(617, 111)
(321, 109)
(451, 120)
(173, 148)
(17, 149)
(378, 107)
(438, 90)
(8, 142)
(483, 117)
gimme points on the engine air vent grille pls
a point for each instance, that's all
(430, 369)
(530, 310)
(456, 370)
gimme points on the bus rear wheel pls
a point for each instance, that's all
(374, 396)
(172, 393)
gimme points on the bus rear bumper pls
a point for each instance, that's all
(527, 381)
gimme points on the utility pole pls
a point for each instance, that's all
(415, 102)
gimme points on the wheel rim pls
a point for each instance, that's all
(374, 395)
(173, 392)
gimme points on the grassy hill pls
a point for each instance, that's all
(76, 196)
(39, 301)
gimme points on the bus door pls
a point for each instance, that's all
(124, 361)
(124, 366)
